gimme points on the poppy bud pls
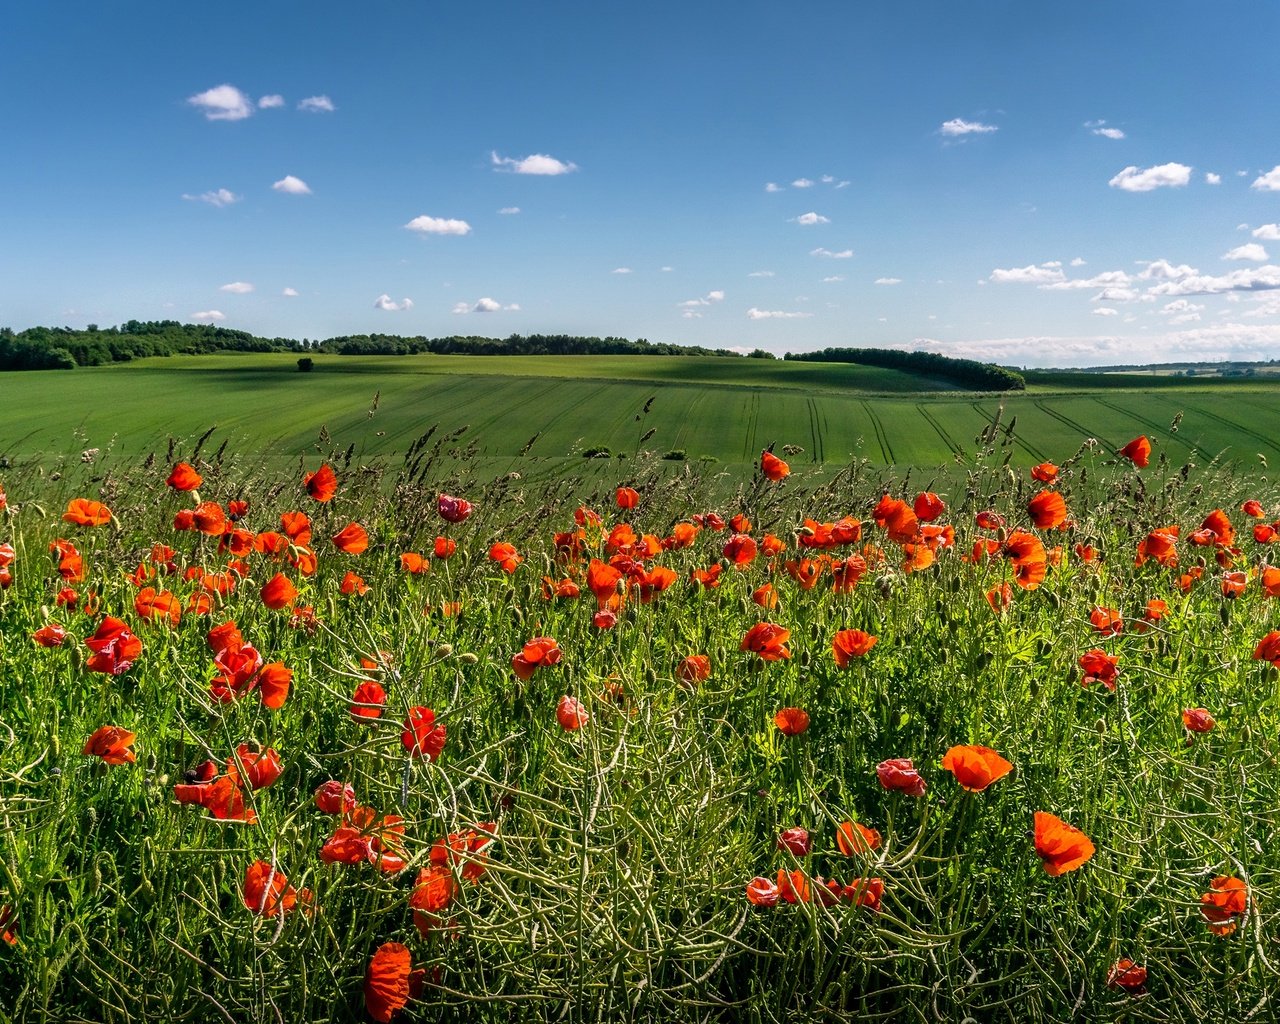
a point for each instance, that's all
(1100, 726)
(444, 651)
(467, 658)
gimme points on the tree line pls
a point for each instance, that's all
(968, 373)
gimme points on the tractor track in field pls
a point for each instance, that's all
(1155, 427)
(1069, 422)
(753, 421)
(815, 430)
(886, 450)
(1260, 438)
(930, 419)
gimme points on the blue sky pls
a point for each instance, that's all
(1068, 185)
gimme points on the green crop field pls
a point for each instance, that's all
(550, 408)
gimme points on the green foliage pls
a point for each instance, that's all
(306, 364)
(967, 373)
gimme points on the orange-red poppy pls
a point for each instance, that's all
(694, 669)
(864, 892)
(209, 518)
(506, 556)
(763, 892)
(1126, 976)
(421, 736)
(773, 467)
(1106, 621)
(899, 773)
(432, 894)
(853, 838)
(603, 580)
(322, 485)
(368, 700)
(114, 648)
(768, 640)
(1026, 553)
(627, 497)
(273, 684)
(86, 512)
(1137, 451)
(928, 507)
(183, 477)
(256, 769)
(999, 598)
(8, 916)
(793, 886)
(541, 650)
(353, 584)
(1046, 472)
(278, 592)
(1198, 720)
(572, 714)
(897, 518)
(1234, 583)
(653, 581)
(792, 721)
(1225, 904)
(160, 606)
(1048, 509)
(1061, 847)
(335, 797)
(353, 539)
(390, 982)
(468, 849)
(766, 596)
(111, 743)
(708, 578)
(975, 767)
(806, 571)
(267, 891)
(50, 635)
(1099, 667)
(795, 841)
(740, 550)
(848, 644)
(443, 548)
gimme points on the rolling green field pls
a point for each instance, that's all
(553, 407)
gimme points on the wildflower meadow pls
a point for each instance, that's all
(393, 741)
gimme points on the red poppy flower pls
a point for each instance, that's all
(928, 507)
(322, 485)
(8, 916)
(795, 841)
(1060, 847)
(975, 768)
(1029, 559)
(209, 518)
(352, 539)
(897, 519)
(694, 669)
(257, 769)
(541, 650)
(793, 886)
(1154, 611)
(421, 736)
(278, 592)
(1198, 720)
(273, 683)
(443, 547)
(1219, 525)
(766, 596)
(335, 797)
(390, 981)
(353, 584)
(114, 648)
(740, 550)
(1224, 906)
(849, 644)
(763, 892)
(773, 467)
(999, 598)
(453, 510)
(864, 892)
(627, 497)
(767, 640)
(432, 893)
(1106, 621)
(111, 743)
(989, 520)
(899, 773)
(852, 838)
(1137, 451)
(50, 635)
(1046, 472)
(1048, 509)
(267, 892)
(1099, 667)
(1234, 583)
(369, 700)
(792, 721)
(653, 581)
(183, 477)
(1127, 976)
(468, 849)
(154, 606)
(1268, 649)
(708, 578)
(506, 556)
(572, 714)
(84, 512)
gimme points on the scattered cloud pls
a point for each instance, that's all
(1212, 179)
(1250, 251)
(1077, 262)
(1269, 182)
(957, 127)
(843, 254)
(1180, 311)
(536, 163)
(1131, 179)
(833, 279)
(317, 105)
(1117, 294)
(811, 218)
(888, 280)
(222, 103)
(384, 302)
(1267, 232)
(485, 305)
(690, 314)
(1046, 273)
(215, 197)
(709, 299)
(208, 315)
(271, 101)
(1165, 271)
(237, 288)
(1248, 279)
(290, 293)
(1105, 311)
(425, 225)
(508, 211)
(761, 273)
(802, 183)
(1107, 279)
(620, 270)
(772, 186)
(1107, 133)
(666, 270)
(715, 296)
(292, 186)
(774, 314)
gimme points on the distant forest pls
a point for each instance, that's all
(64, 348)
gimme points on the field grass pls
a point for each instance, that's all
(615, 886)
(537, 413)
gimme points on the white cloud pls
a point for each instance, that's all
(1166, 271)
(887, 280)
(772, 186)
(1105, 311)
(1250, 251)
(1043, 274)
(706, 300)
(666, 270)
(833, 279)
(802, 183)
(438, 226)
(216, 197)
(1116, 294)
(1077, 262)
(271, 101)
(810, 218)
(1212, 179)
(1269, 182)
(957, 127)
(1180, 311)
(293, 186)
(843, 254)
(761, 273)
(1106, 279)
(843, 184)
(290, 293)
(536, 163)
(384, 302)
(690, 314)
(507, 211)
(484, 305)
(223, 103)
(1249, 279)
(208, 315)
(828, 179)
(1107, 133)
(1131, 179)
(1267, 232)
(237, 288)
(620, 270)
(716, 296)
(317, 105)
(774, 314)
